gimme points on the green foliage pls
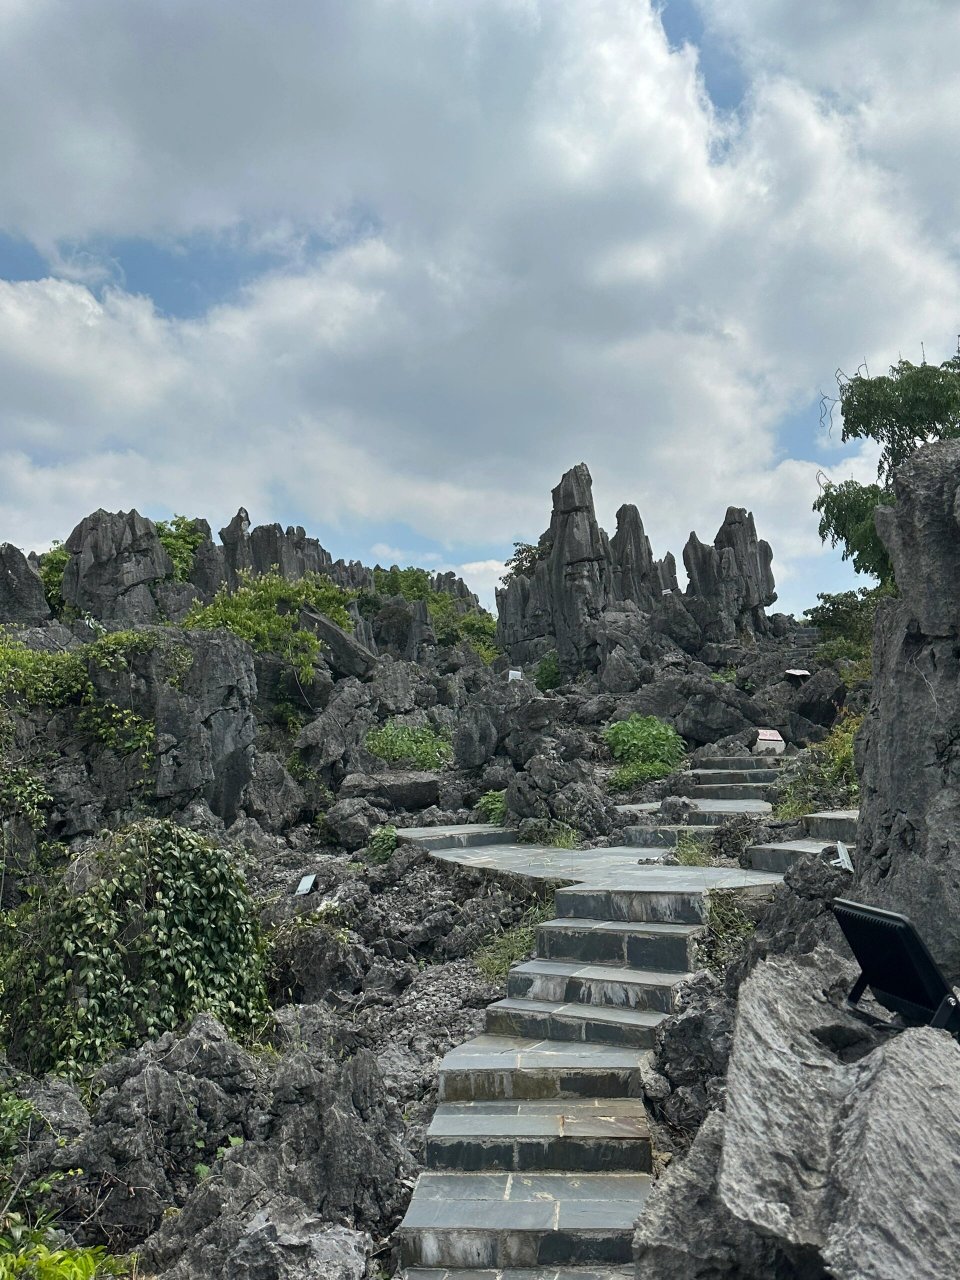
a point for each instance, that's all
(33, 1255)
(548, 675)
(52, 565)
(452, 623)
(402, 744)
(181, 537)
(647, 747)
(24, 795)
(120, 729)
(39, 678)
(913, 404)
(848, 616)
(846, 513)
(164, 929)
(549, 831)
(492, 807)
(727, 676)
(526, 556)
(825, 777)
(728, 930)
(507, 947)
(264, 610)
(691, 851)
(382, 844)
(902, 410)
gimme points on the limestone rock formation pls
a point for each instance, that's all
(21, 590)
(827, 1123)
(116, 559)
(582, 577)
(909, 837)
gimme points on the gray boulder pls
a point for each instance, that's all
(908, 844)
(21, 590)
(116, 558)
(341, 727)
(345, 654)
(353, 822)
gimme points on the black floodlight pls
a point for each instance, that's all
(897, 967)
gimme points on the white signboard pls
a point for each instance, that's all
(514, 675)
(769, 743)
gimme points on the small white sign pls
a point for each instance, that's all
(769, 743)
(306, 885)
(514, 675)
(796, 671)
(842, 859)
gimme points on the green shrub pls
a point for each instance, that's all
(22, 794)
(691, 851)
(549, 831)
(825, 776)
(848, 615)
(35, 1256)
(402, 744)
(382, 844)
(181, 537)
(52, 565)
(492, 807)
(164, 930)
(510, 946)
(727, 676)
(647, 747)
(547, 675)
(264, 610)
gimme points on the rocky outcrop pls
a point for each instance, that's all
(116, 559)
(827, 1124)
(21, 591)
(580, 577)
(909, 837)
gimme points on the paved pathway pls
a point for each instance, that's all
(539, 1157)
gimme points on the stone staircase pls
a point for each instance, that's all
(538, 1158)
(820, 829)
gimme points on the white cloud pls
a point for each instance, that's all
(542, 246)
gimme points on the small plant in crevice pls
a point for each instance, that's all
(728, 929)
(728, 675)
(824, 776)
(52, 566)
(181, 537)
(548, 675)
(690, 851)
(492, 807)
(507, 947)
(382, 844)
(398, 743)
(24, 795)
(548, 831)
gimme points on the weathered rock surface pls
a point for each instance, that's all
(116, 559)
(909, 838)
(21, 590)
(827, 1136)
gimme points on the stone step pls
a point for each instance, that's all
(518, 1273)
(712, 777)
(665, 895)
(778, 857)
(835, 824)
(582, 1023)
(466, 836)
(740, 763)
(493, 1067)
(515, 1220)
(660, 838)
(589, 1135)
(661, 947)
(729, 791)
(571, 982)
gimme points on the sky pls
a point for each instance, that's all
(387, 269)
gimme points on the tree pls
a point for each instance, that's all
(913, 404)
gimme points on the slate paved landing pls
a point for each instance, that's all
(521, 1273)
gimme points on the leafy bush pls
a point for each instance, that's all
(825, 776)
(549, 831)
(382, 844)
(400, 743)
(23, 794)
(492, 806)
(727, 676)
(526, 556)
(509, 946)
(180, 537)
(547, 675)
(648, 748)
(264, 610)
(164, 929)
(52, 565)
(29, 1256)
